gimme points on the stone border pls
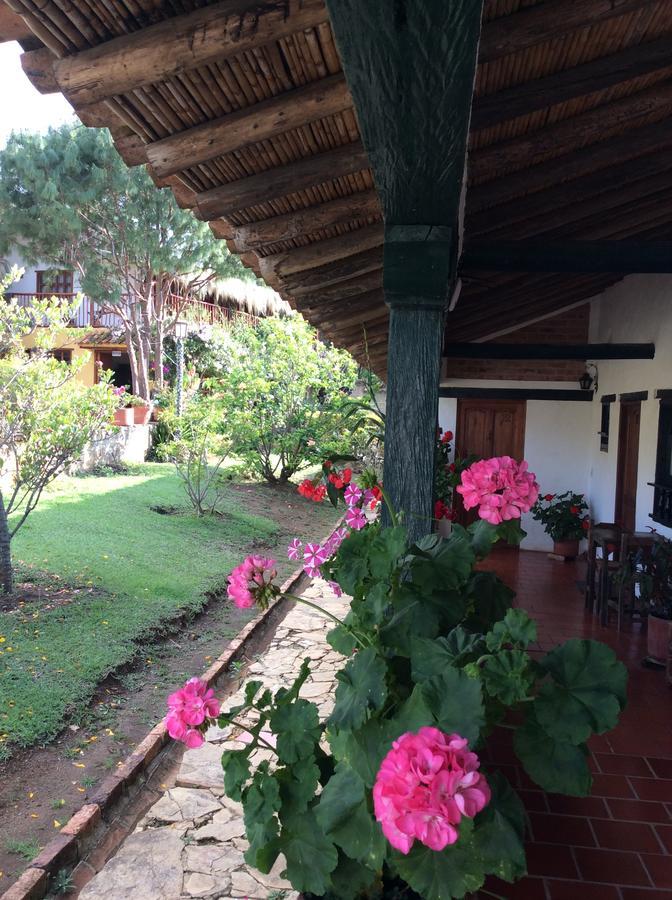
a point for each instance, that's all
(82, 833)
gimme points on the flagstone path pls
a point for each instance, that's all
(191, 842)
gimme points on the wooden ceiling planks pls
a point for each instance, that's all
(571, 135)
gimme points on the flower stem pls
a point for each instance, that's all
(257, 737)
(327, 614)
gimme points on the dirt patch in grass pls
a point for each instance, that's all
(42, 787)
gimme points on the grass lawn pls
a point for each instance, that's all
(137, 569)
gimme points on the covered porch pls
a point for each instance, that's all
(418, 183)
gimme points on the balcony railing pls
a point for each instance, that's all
(662, 503)
(90, 315)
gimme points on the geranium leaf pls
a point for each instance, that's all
(515, 628)
(363, 749)
(361, 689)
(500, 831)
(456, 703)
(508, 676)
(483, 535)
(350, 878)
(297, 785)
(310, 855)
(490, 599)
(445, 875)
(342, 794)
(587, 693)
(236, 765)
(261, 800)
(297, 727)
(431, 657)
(557, 766)
(387, 549)
(341, 640)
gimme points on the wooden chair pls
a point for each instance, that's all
(604, 541)
(635, 550)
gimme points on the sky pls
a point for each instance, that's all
(23, 107)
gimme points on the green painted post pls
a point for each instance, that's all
(410, 65)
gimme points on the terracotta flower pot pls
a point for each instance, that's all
(141, 414)
(123, 416)
(568, 549)
(658, 637)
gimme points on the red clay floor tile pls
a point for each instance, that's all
(625, 835)
(611, 866)
(638, 811)
(573, 890)
(659, 868)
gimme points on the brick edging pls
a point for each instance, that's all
(78, 834)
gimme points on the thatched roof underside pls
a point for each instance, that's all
(251, 123)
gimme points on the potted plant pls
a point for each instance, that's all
(564, 519)
(141, 409)
(445, 479)
(393, 795)
(123, 415)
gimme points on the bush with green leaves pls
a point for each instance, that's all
(199, 443)
(430, 640)
(283, 395)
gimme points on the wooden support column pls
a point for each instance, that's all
(410, 67)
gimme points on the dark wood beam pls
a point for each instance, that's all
(594, 126)
(598, 75)
(545, 212)
(546, 21)
(283, 180)
(321, 253)
(353, 290)
(549, 351)
(516, 394)
(554, 172)
(162, 51)
(340, 270)
(625, 257)
(340, 211)
(250, 125)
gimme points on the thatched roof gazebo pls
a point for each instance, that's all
(328, 145)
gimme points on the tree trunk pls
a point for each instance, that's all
(6, 570)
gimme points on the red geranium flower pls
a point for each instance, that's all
(447, 437)
(346, 476)
(574, 510)
(549, 497)
(585, 524)
(327, 464)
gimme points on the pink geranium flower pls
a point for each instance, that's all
(355, 518)
(314, 555)
(188, 709)
(251, 582)
(336, 588)
(294, 549)
(425, 785)
(501, 488)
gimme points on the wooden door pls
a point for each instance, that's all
(489, 428)
(626, 470)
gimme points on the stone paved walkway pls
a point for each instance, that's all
(191, 842)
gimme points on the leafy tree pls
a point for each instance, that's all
(284, 394)
(68, 199)
(47, 416)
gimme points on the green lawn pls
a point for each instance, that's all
(101, 533)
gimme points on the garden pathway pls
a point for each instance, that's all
(191, 842)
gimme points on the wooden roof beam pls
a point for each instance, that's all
(175, 45)
(351, 290)
(283, 180)
(458, 350)
(251, 125)
(551, 173)
(547, 21)
(300, 222)
(598, 75)
(321, 253)
(340, 270)
(594, 126)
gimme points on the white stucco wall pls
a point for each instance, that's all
(638, 309)
(28, 281)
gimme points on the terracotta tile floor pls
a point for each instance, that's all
(616, 844)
